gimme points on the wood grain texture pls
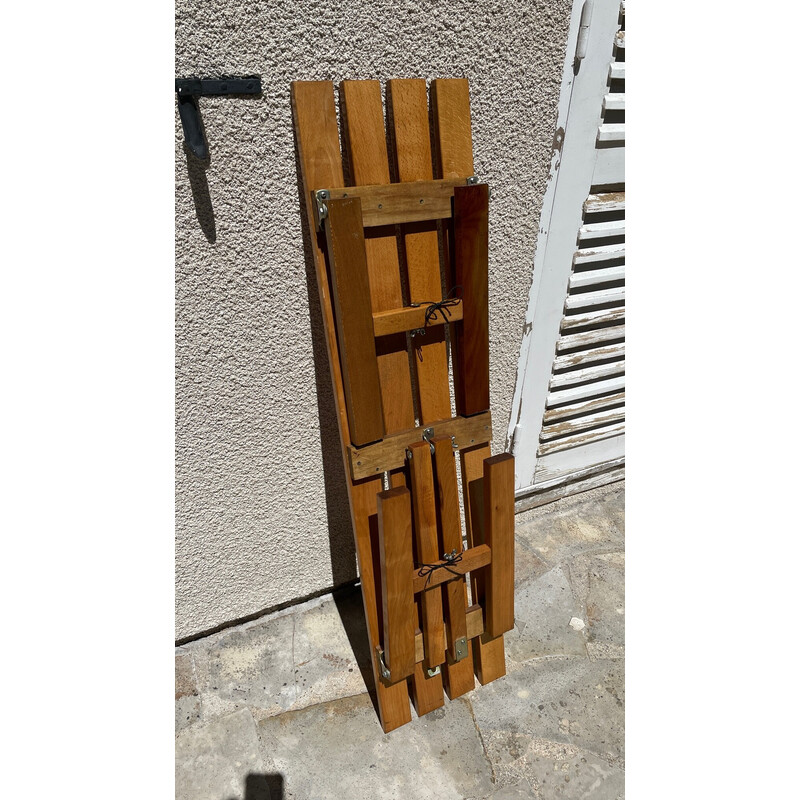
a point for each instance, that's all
(474, 628)
(412, 142)
(488, 653)
(420, 467)
(471, 335)
(453, 154)
(397, 564)
(452, 127)
(420, 200)
(365, 139)
(498, 508)
(408, 318)
(366, 142)
(321, 166)
(390, 453)
(473, 558)
(359, 361)
(450, 527)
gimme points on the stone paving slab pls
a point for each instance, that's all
(547, 716)
(599, 582)
(338, 750)
(213, 760)
(543, 608)
(592, 520)
(277, 707)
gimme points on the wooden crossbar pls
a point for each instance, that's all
(409, 318)
(390, 452)
(397, 203)
(473, 558)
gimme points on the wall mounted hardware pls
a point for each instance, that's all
(190, 89)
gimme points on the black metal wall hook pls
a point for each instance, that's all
(189, 89)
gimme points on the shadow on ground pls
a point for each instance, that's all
(263, 786)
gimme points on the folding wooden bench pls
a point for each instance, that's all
(400, 257)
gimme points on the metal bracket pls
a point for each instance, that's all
(189, 89)
(427, 435)
(472, 180)
(433, 672)
(385, 672)
(321, 206)
(461, 648)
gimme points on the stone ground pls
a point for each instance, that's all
(279, 708)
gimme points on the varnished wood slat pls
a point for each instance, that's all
(369, 160)
(498, 508)
(410, 318)
(420, 467)
(452, 127)
(348, 265)
(473, 558)
(320, 165)
(474, 628)
(412, 142)
(453, 145)
(450, 525)
(427, 691)
(417, 200)
(390, 453)
(471, 339)
(365, 138)
(488, 653)
(394, 535)
(458, 678)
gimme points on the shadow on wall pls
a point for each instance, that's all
(200, 193)
(340, 531)
(263, 786)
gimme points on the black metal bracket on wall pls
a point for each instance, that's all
(189, 89)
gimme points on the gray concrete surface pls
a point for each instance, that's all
(261, 505)
(279, 707)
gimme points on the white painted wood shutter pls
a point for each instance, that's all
(568, 420)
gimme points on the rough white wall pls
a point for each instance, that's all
(262, 514)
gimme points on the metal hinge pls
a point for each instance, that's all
(583, 30)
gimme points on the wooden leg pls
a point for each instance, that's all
(498, 509)
(397, 593)
(420, 467)
(458, 672)
(489, 654)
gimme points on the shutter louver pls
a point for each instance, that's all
(585, 399)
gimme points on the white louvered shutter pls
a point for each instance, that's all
(569, 421)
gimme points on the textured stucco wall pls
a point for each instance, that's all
(262, 513)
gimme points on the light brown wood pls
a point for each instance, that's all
(453, 142)
(473, 558)
(489, 654)
(420, 467)
(366, 142)
(394, 536)
(450, 525)
(320, 165)
(498, 509)
(427, 691)
(359, 362)
(452, 127)
(474, 628)
(412, 142)
(458, 677)
(418, 200)
(410, 318)
(390, 453)
(365, 138)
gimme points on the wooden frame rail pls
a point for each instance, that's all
(390, 452)
(394, 203)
